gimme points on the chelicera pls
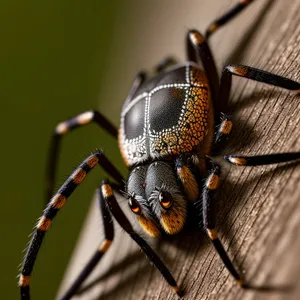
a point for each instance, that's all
(171, 124)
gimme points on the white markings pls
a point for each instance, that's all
(136, 149)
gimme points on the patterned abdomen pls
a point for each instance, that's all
(187, 125)
(169, 115)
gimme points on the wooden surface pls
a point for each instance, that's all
(259, 209)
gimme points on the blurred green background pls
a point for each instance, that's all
(53, 55)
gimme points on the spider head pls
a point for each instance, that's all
(155, 196)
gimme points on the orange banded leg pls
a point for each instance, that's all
(121, 218)
(58, 201)
(228, 16)
(55, 204)
(198, 50)
(222, 132)
(253, 74)
(211, 185)
(103, 247)
(62, 129)
(259, 160)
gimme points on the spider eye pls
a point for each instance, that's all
(134, 206)
(165, 199)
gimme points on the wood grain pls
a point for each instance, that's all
(258, 209)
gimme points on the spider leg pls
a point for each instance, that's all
(258, 160)
(103, 247)
(55, 204)
(198, 50)
(141, 76)
(120, 217)
(58, 201)
(65, 127)
(253, 74)
(138, 80)
(164, 64)
(225, 18)
(211, 185)
(78, 121)
(222, 132)
(224, 129)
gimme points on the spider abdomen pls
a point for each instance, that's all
(169, 114)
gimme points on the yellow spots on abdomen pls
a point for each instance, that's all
(191, 128)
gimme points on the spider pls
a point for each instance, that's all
(171, 125)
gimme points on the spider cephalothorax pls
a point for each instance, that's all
(156, 198)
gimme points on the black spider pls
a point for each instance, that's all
(166, 135)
